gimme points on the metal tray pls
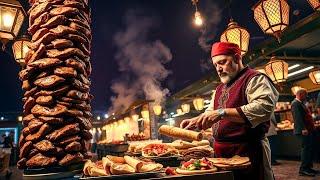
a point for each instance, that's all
(53, 169)
(127, 176)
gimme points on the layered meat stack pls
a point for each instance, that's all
(57, 111)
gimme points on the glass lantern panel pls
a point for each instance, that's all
(233, 36)
(7, 16)
(17, 50)
(260, 17)
(272, 9)
(19, 22)
(315, 4)
(245, 41)
(285, 12)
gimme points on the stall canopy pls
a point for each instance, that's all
(299, 45)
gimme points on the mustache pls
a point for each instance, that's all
(223, 74)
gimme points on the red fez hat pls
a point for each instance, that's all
(225, 48)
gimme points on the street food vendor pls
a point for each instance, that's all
(239, 112)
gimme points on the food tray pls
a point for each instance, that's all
(128, 176)
(172, 161)
(111, 149)
(54, 169)
(133, 154)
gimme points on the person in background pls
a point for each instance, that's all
(318, 103)
(94, 140)
(304, 130)
(272, 133)
(3, 136)
(8, 141)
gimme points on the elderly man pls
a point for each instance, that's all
(240, 112)
(303, 128)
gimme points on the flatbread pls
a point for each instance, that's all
(118, 169)
(187, 172)
(234, 161)
(237, 160)
(219, 160)
(201, 143)
(133, 162)
(147, 167)
(116, 159)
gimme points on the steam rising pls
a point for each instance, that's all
(141, 63)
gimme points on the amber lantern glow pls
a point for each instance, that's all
(20, 49)
(237, 35)
(294, 89)
(145, 114)
(315, 76)
(185, 108)
(157, 109)
(11, 18)
(179, 111)
(135, 117)
(277, 70)
(315, 4)
(272, 16)
(198, 103)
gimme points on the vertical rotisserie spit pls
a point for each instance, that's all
(57, 111)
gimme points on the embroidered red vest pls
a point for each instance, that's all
(233, 95)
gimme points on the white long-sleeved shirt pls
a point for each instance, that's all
(262, 97)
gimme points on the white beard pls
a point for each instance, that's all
(227, 78)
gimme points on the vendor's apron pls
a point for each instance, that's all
(239, 138)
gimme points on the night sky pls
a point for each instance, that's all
(174, 28)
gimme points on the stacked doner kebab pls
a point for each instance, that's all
(57, 111)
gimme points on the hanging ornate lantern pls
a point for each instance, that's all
(135, 117)
(20, 49)
(11, 18)
(145, 114)
(294, 89)
(157, 109)
(272, 16)
(277, 70)
(237, 35)
(315, 76)
(315, 4)
(198, 103)
(185, 108)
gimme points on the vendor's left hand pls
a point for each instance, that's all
(207, 119)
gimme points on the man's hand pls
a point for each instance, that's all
(203, 121)
(207, 119)
(305, 132)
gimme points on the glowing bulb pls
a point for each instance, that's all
(198, 19)
(7, 20)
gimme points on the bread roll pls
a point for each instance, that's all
(116, 159)
(117, 169)
(180, 133)
(133, 162)
(151, 167)
(106, 164)
(95, 172)
(87, 166)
